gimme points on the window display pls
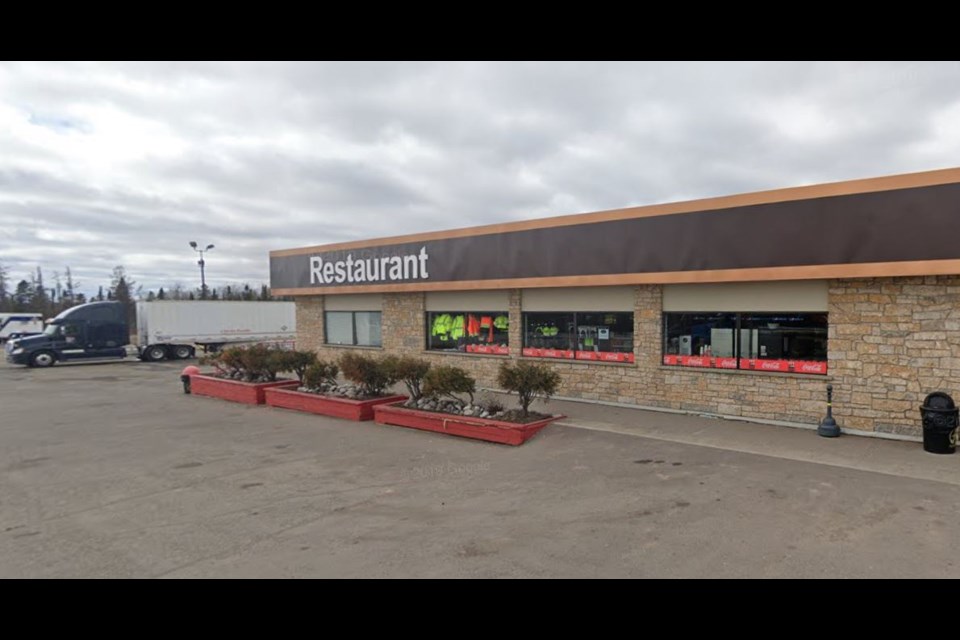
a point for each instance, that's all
(469, 332)
(597, 336)
(784, 342)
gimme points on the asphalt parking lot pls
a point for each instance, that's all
(109, 470)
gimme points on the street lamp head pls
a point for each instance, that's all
(209, 246)
(193, 244)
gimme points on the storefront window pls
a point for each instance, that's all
(469, 332)
(356, 328)
(579, 336)
(784, 342)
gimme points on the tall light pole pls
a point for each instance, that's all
(203, 279)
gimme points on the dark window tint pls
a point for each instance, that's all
(606, 336)
(779, 342)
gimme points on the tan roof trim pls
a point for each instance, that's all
(849, 187)
(811, 272)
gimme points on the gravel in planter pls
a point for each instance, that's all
(472, 411)
(240, 377)
(349, 391)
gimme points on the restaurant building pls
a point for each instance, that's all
(743, 306)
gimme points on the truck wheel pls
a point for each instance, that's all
(155, 353)
(42, 359)
(182, 352)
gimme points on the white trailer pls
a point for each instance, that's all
(174, 328)
(15, 325)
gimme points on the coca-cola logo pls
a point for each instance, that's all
(814, 367)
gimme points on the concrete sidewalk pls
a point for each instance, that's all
(879, 455)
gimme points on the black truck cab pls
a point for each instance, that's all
(92, 330)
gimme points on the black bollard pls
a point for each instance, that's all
(828, 426)
(186, 383)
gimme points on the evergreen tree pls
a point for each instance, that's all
(5, 302)
(40, 301)
(70, 289)
(161, 295)
(23, 297)
(121, 290)
(100, 297)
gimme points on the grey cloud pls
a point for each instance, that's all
(275, 155)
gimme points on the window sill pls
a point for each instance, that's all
(351, 346)
(826, 377)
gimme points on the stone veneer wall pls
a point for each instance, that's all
(310, 323)
(891, 341)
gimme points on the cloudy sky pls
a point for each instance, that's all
(105, 164)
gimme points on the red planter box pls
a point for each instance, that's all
(234, 390)
(464, 426)
(358, 410)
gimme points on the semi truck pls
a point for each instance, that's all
(15, 325)
(169, 329)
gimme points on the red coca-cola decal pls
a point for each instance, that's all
(805, 366)
(671, 360)
(695, 361)
(530, 351)
(725, 363)
(771, 365)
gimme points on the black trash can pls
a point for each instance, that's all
(940, 419)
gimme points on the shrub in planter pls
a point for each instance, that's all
(410, 371)
(297, 362)
(529, 381)
(242, 374)
(261, 363)
(446, 382)
(454, 417)
(320, 373)
(320, 393)
(226, 363)
(369, 374)
(256, 363)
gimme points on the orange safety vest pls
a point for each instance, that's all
(473, 326)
